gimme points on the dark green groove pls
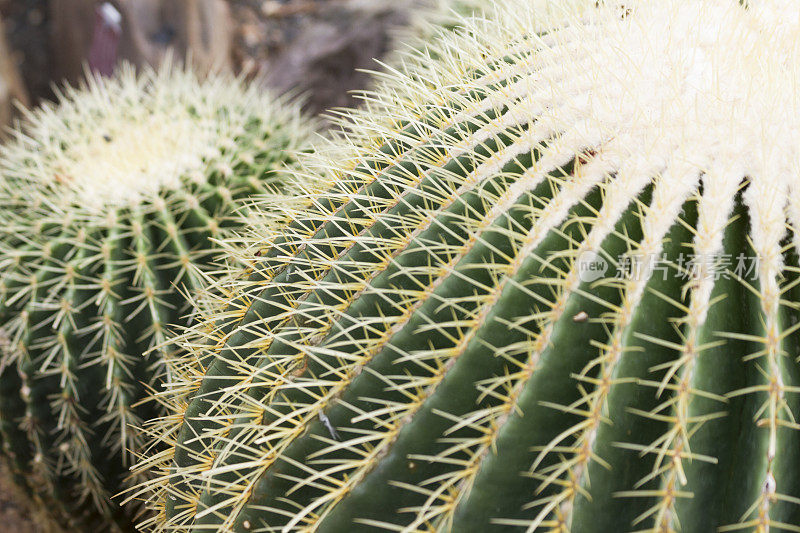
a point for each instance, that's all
(605, 510)
(499, 489)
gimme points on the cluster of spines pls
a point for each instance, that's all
(87, 294)
(421, 333)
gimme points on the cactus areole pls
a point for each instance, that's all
(555, 288)
(108, 203)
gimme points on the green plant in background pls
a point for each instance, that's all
(110, 199)
(555, 288)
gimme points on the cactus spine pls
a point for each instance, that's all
(109, 201)
(424, 347)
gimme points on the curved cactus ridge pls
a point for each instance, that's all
(109, 199)
(554, 288)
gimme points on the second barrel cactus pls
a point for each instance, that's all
(554, 289)
(109, 201)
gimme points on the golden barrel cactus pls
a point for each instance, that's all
(554, 287)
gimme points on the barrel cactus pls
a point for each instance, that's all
(554, 288)
(109, 200)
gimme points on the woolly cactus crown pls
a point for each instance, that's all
(125, 140)
(109, 199)
(419, 349)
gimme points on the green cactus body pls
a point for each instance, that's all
(109, 201)
(427, 348)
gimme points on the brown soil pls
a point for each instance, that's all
(14, 515)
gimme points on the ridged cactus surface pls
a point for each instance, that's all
(554, 288)
(109, 200)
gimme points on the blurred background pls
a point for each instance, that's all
(314, 47)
